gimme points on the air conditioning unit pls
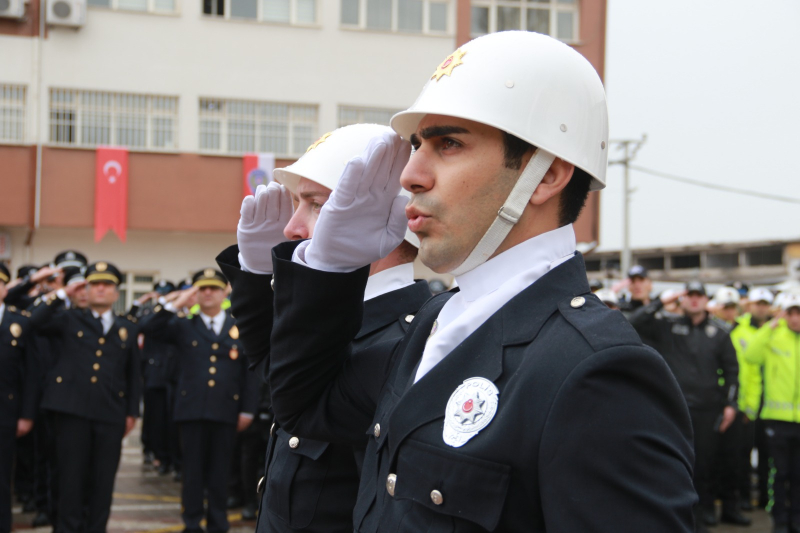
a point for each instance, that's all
(66, 13)
(12, 9)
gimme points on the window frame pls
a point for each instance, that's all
(151, 8)
(260, 15)
(224, 118)
(426, 31)
(10, 104)
(116, 112)
(361, 110)
(553, 7)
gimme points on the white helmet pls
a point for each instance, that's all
(726, 296)
(533, 87)
(760, 294)
(791, 300)
(607, 296)
(529, 85)
(325, 160)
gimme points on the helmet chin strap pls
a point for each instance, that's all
(510, 213)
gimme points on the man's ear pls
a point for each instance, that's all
(554, 181)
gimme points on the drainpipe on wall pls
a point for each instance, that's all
(37, 127)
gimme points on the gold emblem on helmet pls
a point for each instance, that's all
(319, 141)
(209, 273)
(101, 267)
(447, 66)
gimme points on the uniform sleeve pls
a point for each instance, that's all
(16, 295)
(750, 388)
(730, 369)
(134, 375)
(646, 323)
(161, 325)
(623, 464)
(32, 384)
(46, 316)
(250, 392)
(320, 389)
(756, 351)
(251, 305)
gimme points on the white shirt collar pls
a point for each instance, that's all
(389, 280)
(107, 319)
(215, 322)
(542, 250)
(2, 311)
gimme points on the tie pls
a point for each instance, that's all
(211, 327)
(100, 321)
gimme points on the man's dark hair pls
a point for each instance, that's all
(574, 195)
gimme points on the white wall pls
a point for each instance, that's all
(191, 55)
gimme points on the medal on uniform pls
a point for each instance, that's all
(234, 333)
(469, 410)
(123, 334)
(16, 329)
(234, 353)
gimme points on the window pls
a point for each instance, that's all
(651, 263)
(280, 11)
(722, 260)
(364, 115)
(772, 255)
(134, 285)
(406, 16)
(240, 126)
(91, 118)
(686, 261)
(12, 113)
(148, 6)
(557, 18)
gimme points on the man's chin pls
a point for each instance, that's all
(437, 257)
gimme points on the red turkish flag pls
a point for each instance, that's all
(111, 192)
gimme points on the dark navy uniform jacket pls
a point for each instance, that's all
(212, 370)
(158, 357)
(18, 379)
(95, 375)
(591, 432)
(311, 485)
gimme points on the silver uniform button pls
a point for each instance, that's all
(260, 486)
(391, 483)
(409, 318)
(294, 442)
(577, 302)
(272, 284)
(377, 431)
(436, 497)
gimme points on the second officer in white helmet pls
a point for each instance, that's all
(520, 402)
(311, 485)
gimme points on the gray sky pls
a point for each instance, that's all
(716, 86)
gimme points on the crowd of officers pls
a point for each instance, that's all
(73, 377)
(73, 372)
(736, 357)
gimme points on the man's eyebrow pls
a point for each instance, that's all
(312, 194)
(439, 131)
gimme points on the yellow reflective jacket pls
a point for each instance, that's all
(778, 351)
(750, 385)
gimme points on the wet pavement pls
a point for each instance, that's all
(147, 502)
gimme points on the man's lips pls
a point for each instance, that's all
(416, 218)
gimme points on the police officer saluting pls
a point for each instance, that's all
(311, 485)
(521, 402)
(18, 391)
(215, 396)
(93, 389)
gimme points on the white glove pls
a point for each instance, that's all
(264, 216)
(364, 218)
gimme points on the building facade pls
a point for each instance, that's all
(190, 86)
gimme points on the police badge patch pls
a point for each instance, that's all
(470, 409)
